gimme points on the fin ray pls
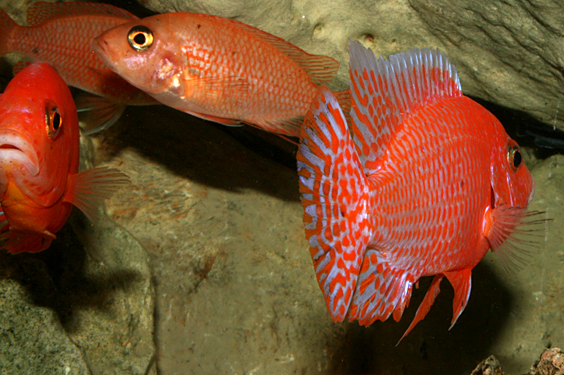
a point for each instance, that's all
(384, 91)
(43, 11)
(89, 188)
(97, 113)
(320, 68)
(425, 305)
(334, 195)
(461, 282)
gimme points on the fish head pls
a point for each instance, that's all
(143, 53)
(511, 180)
(39, 149)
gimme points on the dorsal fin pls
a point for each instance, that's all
(42, 11)
(384, 91)
(320, 68)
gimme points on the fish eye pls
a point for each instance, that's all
(514, 156)
(140, 38)
(53, 121)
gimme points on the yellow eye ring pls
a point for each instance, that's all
(53, 121)
(140, 38)
(514, 156)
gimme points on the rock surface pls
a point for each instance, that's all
(65, 313)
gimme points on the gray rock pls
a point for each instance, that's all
(65, 313)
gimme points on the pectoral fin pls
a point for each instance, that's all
(462, 283)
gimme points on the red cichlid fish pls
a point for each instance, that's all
(39, 151)
(423, 183)
(218, 69)
(61, 34)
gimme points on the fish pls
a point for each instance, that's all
(422, 182)
(218, 69)
(61, 34)
(39, 155)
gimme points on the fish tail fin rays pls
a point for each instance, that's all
(334, 194)
(344, 99)
(86, 190)
(425, 305)
(97, 113)
(461, 282)
(385, 91)
(514, 234)
(382, 289)
(7, 27)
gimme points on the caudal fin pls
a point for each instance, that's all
(7, 26)
(334, 194)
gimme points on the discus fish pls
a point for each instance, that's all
(39, 151)
(62, 34)
(218, 69)
(424, 183)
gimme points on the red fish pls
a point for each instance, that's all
(423, 183)
(39, 151)
(218, 69)
(61, 34)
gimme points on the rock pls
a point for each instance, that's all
(65, 313)
(235, 292)
(551, 363)
(32, 339)
(489, 366)
(507, 52)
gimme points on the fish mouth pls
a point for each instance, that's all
(14, 148)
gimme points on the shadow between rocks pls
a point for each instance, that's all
(57, 279)
(210, 154)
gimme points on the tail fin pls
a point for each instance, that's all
(344, 99)
(334, 194)
(7, 26)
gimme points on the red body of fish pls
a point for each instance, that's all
(424, 183)
(39, 152)
(61, 34)
(218, 69)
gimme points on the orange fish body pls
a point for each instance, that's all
(217, 69)
(39, 154)
(61, 34)
(424, 183)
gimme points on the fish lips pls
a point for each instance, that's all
(15, 148)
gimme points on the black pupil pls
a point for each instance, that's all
(517, 158)
(139, 38)
(56, 121)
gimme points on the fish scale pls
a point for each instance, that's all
(412, 189)
(219, 69)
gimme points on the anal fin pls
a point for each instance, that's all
(382, 288)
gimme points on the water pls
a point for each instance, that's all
(203, 268)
